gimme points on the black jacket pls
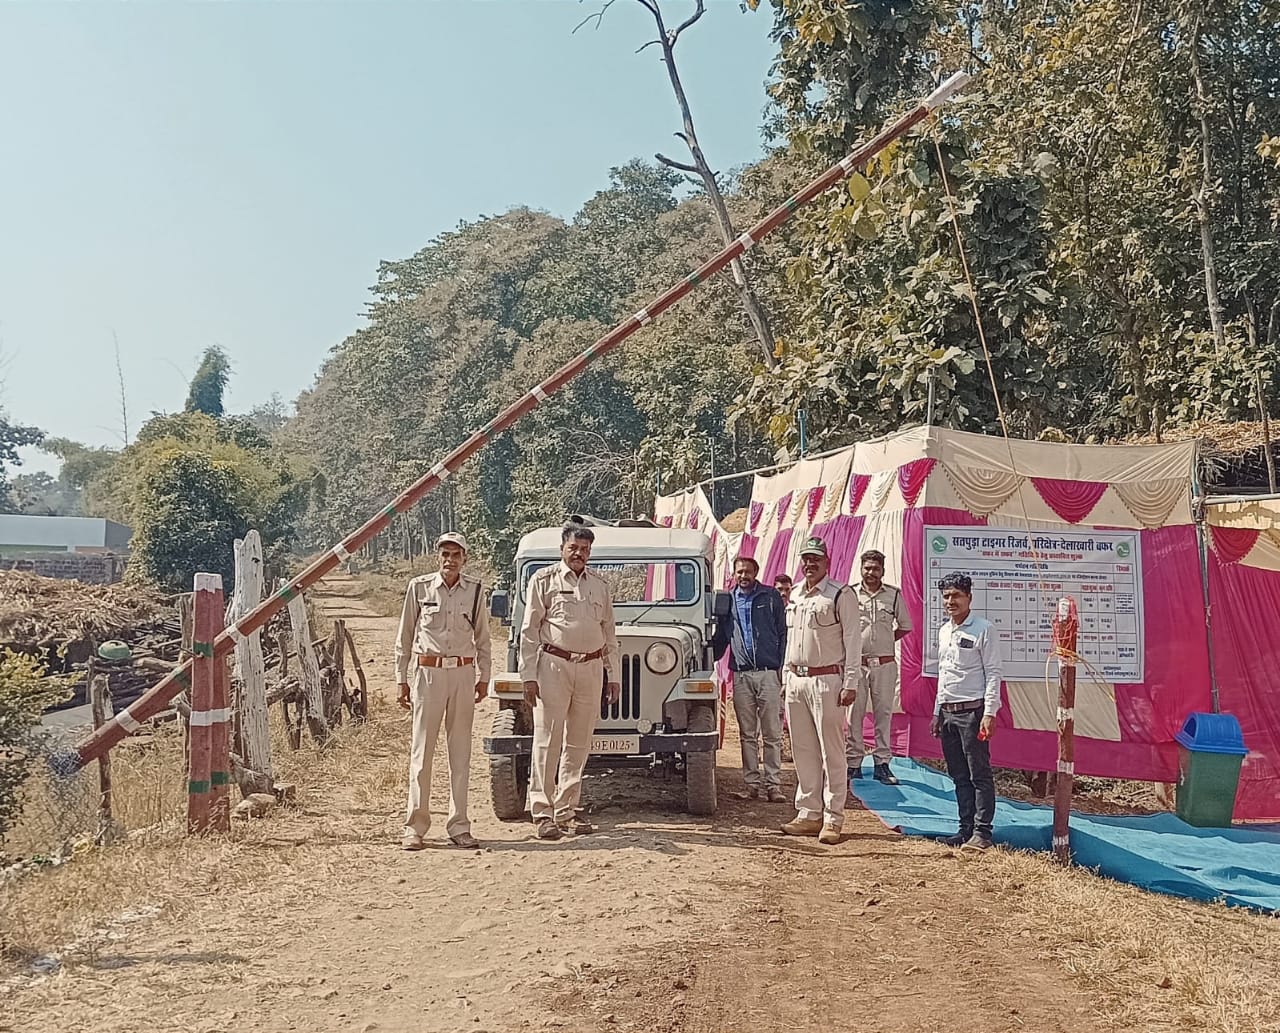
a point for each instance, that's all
(768, 629)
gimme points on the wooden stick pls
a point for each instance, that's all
(1065, 627)
(206, 624)
(309, 665)
(251, 702)
(1266, 431)
(100, 698)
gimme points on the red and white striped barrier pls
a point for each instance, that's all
(158, 696)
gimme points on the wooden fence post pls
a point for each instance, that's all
(251, 702)
(1065, 627)
(309, 669)
(209, 769)
(100, 700)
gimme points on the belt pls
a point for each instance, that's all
(576, 658)
(968, 704)
(802, 671)
(878, 661)
(435, 660)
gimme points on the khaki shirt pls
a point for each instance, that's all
(572, 611)
(822, 632)
(883, 614)
(439, 619)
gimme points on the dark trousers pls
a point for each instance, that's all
(969, 765)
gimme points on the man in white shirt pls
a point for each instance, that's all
(964, 713)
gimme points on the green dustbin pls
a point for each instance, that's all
(1210, 751)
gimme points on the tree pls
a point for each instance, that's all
(13, 437)
(209, 383)
(701, 167)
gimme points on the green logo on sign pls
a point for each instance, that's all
(1122, 550)
(939, 543)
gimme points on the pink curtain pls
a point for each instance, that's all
(1232, 544)
(911, 478)
(776, 561)
(755, 512)
(1071, 500)
(813, 501)
(1246, 656)
(857, 488)
(784, 504)
(841, 535)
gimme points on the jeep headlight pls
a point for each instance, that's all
(661, 658)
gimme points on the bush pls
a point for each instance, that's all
(25, 694)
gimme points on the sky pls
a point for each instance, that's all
(177, 175)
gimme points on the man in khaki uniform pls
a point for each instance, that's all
(884, 621)
(567, 642)
(444, 639)
(824, 647)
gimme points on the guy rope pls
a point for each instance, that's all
(158, 696)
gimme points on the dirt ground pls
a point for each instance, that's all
(656, 922)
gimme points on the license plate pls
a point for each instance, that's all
(627, 744)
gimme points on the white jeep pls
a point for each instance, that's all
(668, 714)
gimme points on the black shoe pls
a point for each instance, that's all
(855, 772)
(958, 840)
(883, 774)
(979, 841)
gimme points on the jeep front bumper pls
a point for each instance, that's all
(655, 742)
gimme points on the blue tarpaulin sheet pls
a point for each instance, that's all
(1158, 852)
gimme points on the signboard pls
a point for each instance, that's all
(1018, 576)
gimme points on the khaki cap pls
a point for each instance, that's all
(455, 537)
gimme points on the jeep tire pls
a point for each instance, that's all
(508, 774)
(700, 767)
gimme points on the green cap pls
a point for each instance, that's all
(813, 547)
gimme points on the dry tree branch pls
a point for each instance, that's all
(672, 163)
(598, 16)
(674, 34)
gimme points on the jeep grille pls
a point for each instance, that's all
(628, 706)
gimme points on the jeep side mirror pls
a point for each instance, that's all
(499, 605)
(722, 605)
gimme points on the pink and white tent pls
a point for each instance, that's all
(884, 494)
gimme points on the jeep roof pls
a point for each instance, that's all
(633, 543)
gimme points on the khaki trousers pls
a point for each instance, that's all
(757, 703)
(563, 722)
(816, 720)
(879, 684)
(441, 695)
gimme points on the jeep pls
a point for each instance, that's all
(667, 717)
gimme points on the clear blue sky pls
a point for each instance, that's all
(232, 173)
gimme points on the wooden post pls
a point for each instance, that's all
(100, 699)
(251, 702)
(209, 766)
(1266, 431)
(309, 668)
(1065, 627)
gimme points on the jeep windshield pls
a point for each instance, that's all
(637, 582)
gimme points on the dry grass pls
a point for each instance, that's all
(1148, 962)
(69, 911)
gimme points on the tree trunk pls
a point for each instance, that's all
(1201, 195)
(750, 302)
(309, 667)
(250, 674)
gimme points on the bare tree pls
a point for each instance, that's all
(124, 408)
(667, 39)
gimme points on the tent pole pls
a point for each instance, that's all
(1198, 508)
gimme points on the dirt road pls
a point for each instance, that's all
(657, 922)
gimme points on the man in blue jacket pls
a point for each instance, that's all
(756, 633)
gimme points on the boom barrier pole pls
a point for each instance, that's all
(158, 696)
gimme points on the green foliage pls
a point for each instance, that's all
(209, 383)
(25, 694)
(1075, 161)
(13, 437)
(466, 326)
